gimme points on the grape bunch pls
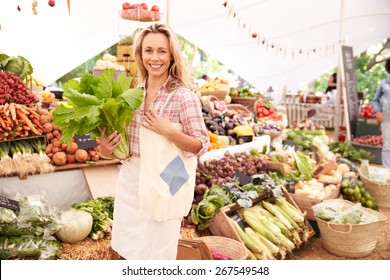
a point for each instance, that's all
(222, 170)
(353, 190)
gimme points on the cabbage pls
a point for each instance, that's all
(18, 65)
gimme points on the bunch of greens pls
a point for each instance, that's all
(214, 198)
(348, 151)
(102, 211)
(18, 65)
(99, 102)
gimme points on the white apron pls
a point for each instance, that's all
(135, 236)
(151, 201)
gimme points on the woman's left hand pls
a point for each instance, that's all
(153, 121)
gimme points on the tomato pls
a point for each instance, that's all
(126, 6)
(265, 112)
(155, 8)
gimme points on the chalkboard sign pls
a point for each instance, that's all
(350, 87)
(84, 141)
(9, 203)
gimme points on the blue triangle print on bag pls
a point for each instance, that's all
(175, 175)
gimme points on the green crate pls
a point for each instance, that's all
(366, 126)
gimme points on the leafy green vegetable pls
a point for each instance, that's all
(99, 102)
(102, 211)
(18, 65)
(348, 151)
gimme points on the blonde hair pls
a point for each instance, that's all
(179, 70)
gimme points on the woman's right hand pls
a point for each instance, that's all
(379, 117)
(108, 143)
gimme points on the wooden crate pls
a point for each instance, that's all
(305, 203)
(219, 224)
(130, 66)
(125, 52)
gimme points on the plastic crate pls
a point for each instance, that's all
(367, 126)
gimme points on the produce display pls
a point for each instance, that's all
(216, 84)
(140, 12)
(373, 140)
(14, 90)
(29, 232)
(265, 110)
(272, 228)
(366, 111)
(59, 152)
(353, 190)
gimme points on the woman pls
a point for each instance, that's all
(381, 103)
(147, 218)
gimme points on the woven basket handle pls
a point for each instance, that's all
(332, 229)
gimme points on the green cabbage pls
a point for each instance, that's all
(18, 65)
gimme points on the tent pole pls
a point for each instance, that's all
(338, 86)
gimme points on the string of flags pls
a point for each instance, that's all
(262, 41)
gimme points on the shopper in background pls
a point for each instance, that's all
(155, 186)
(332, 83)
(381, 103)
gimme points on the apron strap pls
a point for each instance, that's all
(166, 103)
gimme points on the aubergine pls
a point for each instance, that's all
(217, 119)
(229, 125)
(210, 123)
(217, 129)
(204, 110)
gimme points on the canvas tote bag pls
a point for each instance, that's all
(167, 176)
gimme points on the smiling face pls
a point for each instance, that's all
(156, 55)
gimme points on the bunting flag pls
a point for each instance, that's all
(327, 49)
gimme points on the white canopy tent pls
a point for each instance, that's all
(296, 41)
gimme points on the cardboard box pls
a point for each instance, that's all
(193, 250)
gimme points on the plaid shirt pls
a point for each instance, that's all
(184, 108)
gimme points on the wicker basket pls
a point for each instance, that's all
(248, 102)
(220, 94)
(240, 109)
(232, 248)
(380, 192)
(350, 241)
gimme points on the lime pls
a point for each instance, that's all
(369, 204)
(345, 183)
(359, 183)
(362, 200)
(357, 191)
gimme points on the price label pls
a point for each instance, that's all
(9, 203)
(84, 141)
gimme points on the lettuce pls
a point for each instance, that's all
(98, 102)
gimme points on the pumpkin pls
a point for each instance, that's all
(77, 226)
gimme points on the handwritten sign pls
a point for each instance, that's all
(84, 141)
(321, 113)
(9, 203)
(350, 87)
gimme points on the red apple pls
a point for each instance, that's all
(144, 6)
(155, 8)
(254, 35)
(52, 3)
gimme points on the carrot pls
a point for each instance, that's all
(2, 123)
(36, 122)
(12, 110)
(22, 108)
(28, 122)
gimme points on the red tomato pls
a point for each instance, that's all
(265, 112)
(155, 8)
(126, 6)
